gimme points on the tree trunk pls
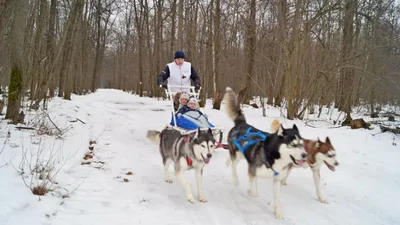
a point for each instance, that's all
(282, 55)
(216, 55)
(16, 77)
(139, 22)
(72, 69)
(39, 52)
(97, 60)
(50, 55)
(181, 41)
(250, 48)
(173, 22)
(67, 52)
(347, 70)
(4, 17)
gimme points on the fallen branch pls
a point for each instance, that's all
(53, 123)
(80, 120)
(309, 125)
(77, 119)
(25, 128)
(393, 130)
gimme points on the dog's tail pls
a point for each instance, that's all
(232, 106)
(275, 125)
(154, 136)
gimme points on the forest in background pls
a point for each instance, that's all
(306, 52)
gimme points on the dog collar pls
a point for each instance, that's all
(188, 159)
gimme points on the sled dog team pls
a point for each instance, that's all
(268, 154)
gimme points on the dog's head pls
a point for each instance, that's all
(292, 145)
(322, 152)
(203, 145)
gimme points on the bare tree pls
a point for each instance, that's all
(250, 48)
(347, 70)
(16, 76)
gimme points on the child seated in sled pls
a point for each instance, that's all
(190, 117)
(191, 105)
(183, 100)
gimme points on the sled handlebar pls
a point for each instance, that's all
(180, 86)
(188, 89)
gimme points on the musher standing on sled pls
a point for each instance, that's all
(179, 73)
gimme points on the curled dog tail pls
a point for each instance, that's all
(232, 106)
(275, 125)
(154, 136)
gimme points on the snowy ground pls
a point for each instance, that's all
(363, 190)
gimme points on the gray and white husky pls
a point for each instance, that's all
(190, 151)
(268, 154)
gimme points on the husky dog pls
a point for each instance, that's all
(268, 154)
(319, 153)
(187, 152)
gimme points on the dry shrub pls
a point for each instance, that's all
(39, 190)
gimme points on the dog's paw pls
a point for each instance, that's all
(190, 199)
(235, 182)
(323, 200)
(202, 199)
(168, 181)
(252, 193)
(284, 182)
(278, 215)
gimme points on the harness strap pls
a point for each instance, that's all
(268, 166)
(186, 139)
(188, 159)
(246, 138)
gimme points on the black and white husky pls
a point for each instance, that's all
(268, 154)
(191, 151)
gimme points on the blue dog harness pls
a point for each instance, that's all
(249, 138)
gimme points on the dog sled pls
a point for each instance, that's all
(189, 122)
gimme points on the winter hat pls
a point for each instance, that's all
(179, 54)
(184, 96)
(193, 100)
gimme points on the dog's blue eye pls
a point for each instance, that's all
(203, 146)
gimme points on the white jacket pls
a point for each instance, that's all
(179, 75)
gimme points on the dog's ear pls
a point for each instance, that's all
(209, 131)
(196, 135)
(295, 128)
(328, 141)
(317, 144)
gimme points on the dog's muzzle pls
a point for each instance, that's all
(299, 162)
(207, 159)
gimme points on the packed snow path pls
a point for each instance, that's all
(363, 190)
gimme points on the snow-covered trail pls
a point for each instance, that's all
(363, 190)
